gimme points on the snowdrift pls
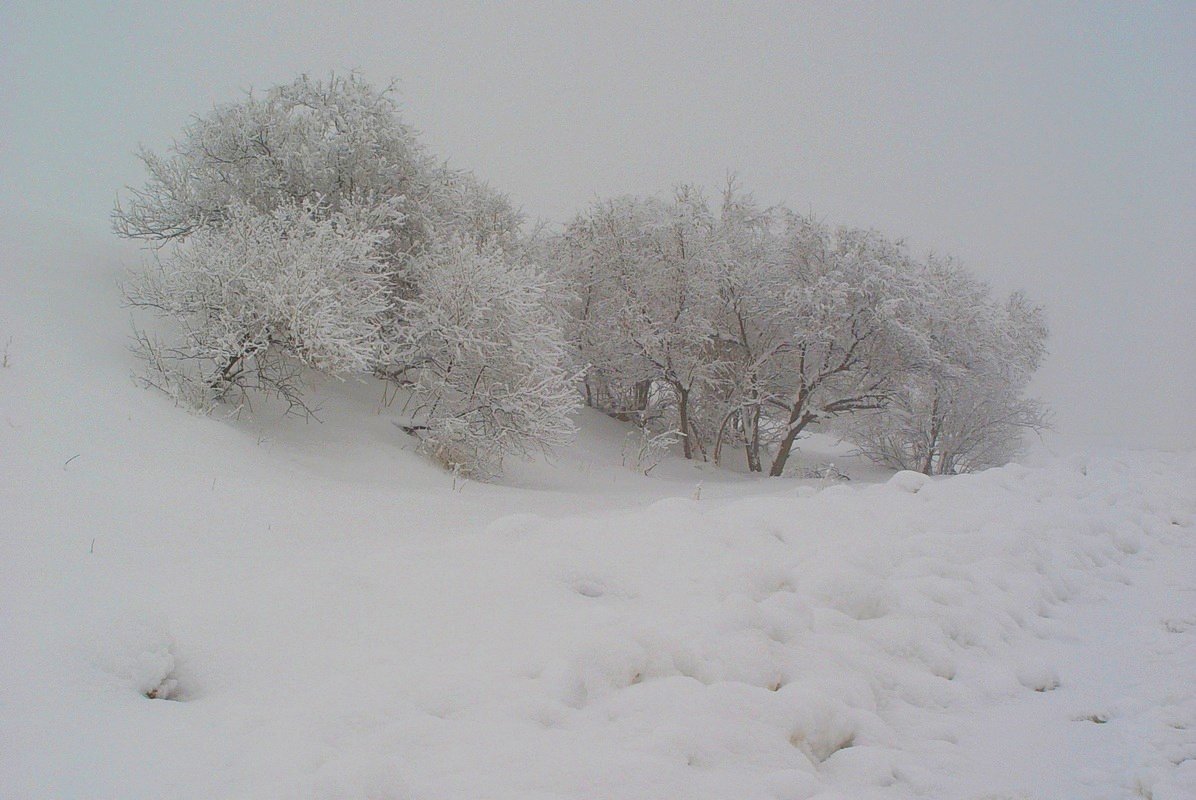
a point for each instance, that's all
(205, 608)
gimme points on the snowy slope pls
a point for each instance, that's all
(323, 614)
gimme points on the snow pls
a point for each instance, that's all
(319, 612)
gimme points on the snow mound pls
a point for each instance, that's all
(908, 481)
(343, 620)
(139, 652)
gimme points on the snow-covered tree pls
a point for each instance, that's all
(331, 142)
(265, 294)
(966, 410)
(327, 176)
(846, 328)
(745, 326)
(641, 271)
(337, 141)
(748, 307)
(483, 359)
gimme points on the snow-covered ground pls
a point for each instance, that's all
(320, 613)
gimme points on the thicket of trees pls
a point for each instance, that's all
(743, 326)
(307, 229)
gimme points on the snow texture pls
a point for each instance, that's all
(199, 607)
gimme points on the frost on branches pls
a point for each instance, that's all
(483, 359)
(332, 142)
(640, 271)
(307, 228)
(262, 296)
(743, 327)
(747, 327)
(846, 327)
(968, 410)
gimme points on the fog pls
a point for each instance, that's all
(1051, 149)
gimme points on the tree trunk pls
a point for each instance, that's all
(797, 422)
(933, 446)
(698, 441)
(718, 439)
(683, 418)
(752, 439)
(225, 375)
(643, 392)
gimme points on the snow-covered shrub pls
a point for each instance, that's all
(307, 227)
(261, 296)
(642, 449)
(965, 410)
(482, 357)
(747, 326)
(639, 269)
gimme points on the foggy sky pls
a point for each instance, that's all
(1052, 147)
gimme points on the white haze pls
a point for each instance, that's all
(1051, 148)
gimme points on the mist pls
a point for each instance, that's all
(1052, 150)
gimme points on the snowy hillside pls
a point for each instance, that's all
(267, 608)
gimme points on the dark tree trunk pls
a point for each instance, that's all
(227, 370)
(751, 430)
(643, 392)
(933, 446)
(797, 423)
(683, 418)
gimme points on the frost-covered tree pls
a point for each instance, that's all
(641, 272)
(847, 328)
(748, 307)
(966, 410)
(261, 296)
(298, 228)
(483, 358)
(337, 141)
(331, 141)
(748, 325)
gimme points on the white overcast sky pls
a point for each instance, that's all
(1051, 146)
